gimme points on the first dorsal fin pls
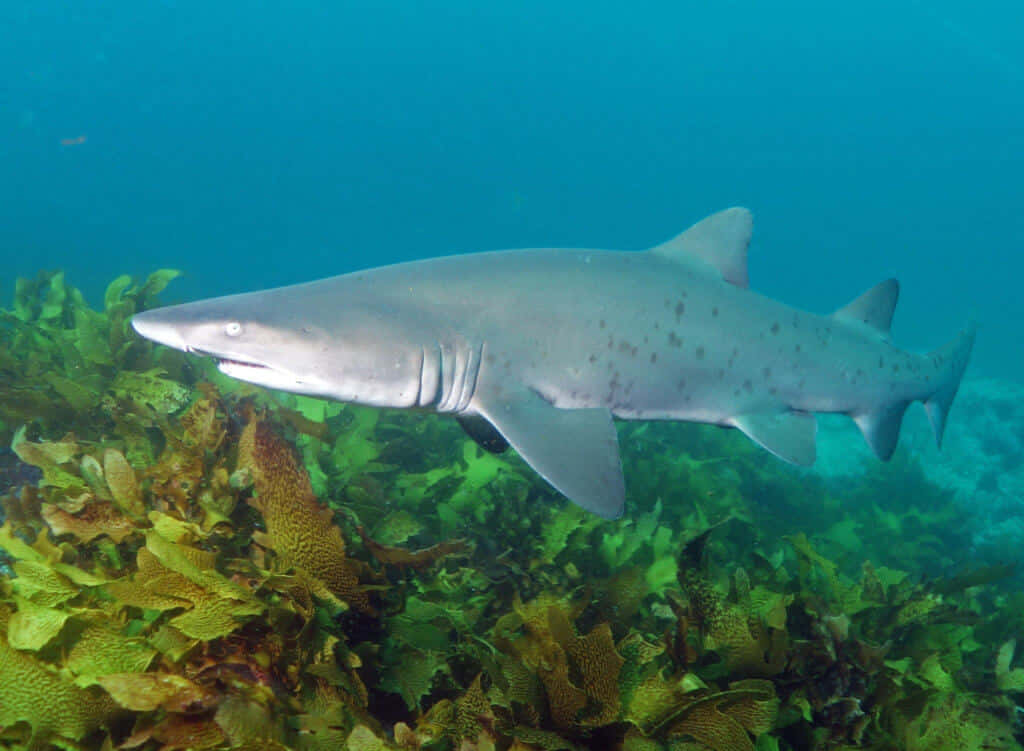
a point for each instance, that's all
(874, 308)
(720, 241)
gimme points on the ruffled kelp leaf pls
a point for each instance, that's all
(172, 643)
(34, 626)
(101, 649)
(562, 524)
(175, 530)
(326, 720)
(596, 661)
(54, 459)
(578, 672)
(396, 528)
(411, 673)
(150, 389)
(624, 593)
(181, 731)
(917, 609)
(172, 576)
(299, 529)
(198, 566)
(725, 720)
(153, 587)
(655, 700)
(16, 547)
(213, 617)
(746, 644)
(33, 693)
(39, 582)
(145, 692)
(362, 738)
(123, 484)
(219, 606)
(473, 714)
(950, 721)
(248, 723)
(618, 548)
(204, 426)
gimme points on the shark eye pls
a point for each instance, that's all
(234, 328)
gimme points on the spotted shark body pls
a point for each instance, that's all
(543, 348)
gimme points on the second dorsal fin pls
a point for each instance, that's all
(874, 308)
(719, 241)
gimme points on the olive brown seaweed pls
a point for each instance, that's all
(193, 563)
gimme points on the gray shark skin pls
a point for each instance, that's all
(547, 346)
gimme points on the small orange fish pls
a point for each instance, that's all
(76, 141)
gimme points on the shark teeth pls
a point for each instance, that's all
(222, 361)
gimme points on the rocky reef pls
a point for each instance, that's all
(192, 563)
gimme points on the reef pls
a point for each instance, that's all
(191, 563)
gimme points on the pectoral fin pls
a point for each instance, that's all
(576, 450)
(788, 435)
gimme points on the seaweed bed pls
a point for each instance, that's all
(192, 563)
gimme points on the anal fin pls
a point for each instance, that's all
(788, 435)
(576, 450)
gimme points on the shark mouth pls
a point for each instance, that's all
(244, 370)
(223, 362)
(254, 372)
(228, 362)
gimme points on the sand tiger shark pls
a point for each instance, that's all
(541, 348)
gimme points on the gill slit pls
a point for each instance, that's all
(419, 381)
(458, 367)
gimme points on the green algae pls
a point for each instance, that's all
(202, 564)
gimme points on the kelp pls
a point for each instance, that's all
(63, 363)
(195, 563)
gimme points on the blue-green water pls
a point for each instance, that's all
(265, 143)
(188, 562)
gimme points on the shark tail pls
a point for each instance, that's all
(954, 355)
(881, 427)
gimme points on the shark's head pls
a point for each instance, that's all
(288, 339)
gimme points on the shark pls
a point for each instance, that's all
(542, 349)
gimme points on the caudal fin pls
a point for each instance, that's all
(953, 358)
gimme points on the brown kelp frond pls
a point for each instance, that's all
(299, 530)
(192, 563)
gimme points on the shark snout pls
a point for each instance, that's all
(155, 326)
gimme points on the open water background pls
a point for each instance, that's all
(263, 143)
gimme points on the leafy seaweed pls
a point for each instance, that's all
(194, 563)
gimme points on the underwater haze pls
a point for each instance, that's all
(262, 144)
(190, 561)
